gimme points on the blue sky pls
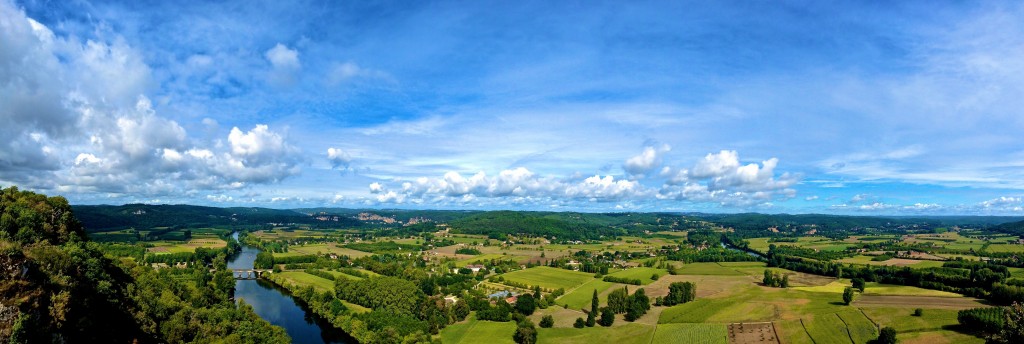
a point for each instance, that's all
(849, 108)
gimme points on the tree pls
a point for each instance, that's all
(460, 310)
(607, 317)
(918, 312)
(592, 316)
(680, 292)
(525, 333)
(618, 300)
(547, 321)
(785, 282)
(858, 283)
(1013, 328)
(579, 323)
(769, 278)
(526, 304)
(847, 295)
(639, 303)
(886, 336)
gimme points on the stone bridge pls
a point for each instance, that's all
(245, 274)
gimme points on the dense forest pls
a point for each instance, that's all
(59, 287)
(499, 224)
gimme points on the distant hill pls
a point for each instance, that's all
(1015, 228)
(569, 225)
(144, 216)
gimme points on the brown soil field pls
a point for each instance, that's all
(751, 333)
(708, 285)
(917, 301)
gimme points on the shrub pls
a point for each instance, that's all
(580, 323)
(547, 321)
(918, 312)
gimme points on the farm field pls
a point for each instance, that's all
(548, 277)
(293, 279)
(629, 333)
(326, 248)
(866, 260)
(694, 333)
(472, 330)
(1001, 248)
(641, 273)
(580, 297)
(180, 246)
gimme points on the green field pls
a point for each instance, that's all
(641, 273)
(707, 269)
(998, 248)
(891, 289)
(860, 328)
(693, 333)
(631, 333)
(827, 329)
(474, 331)
(175, 246)
(480, 258)
(582, 295)
(325, 249)
(302, 279)
(792, 331)
(548, 277)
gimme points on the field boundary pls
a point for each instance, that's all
(807, 332)
(847, 327)
(776, 332)
(877, 326)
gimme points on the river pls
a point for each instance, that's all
(278, 307)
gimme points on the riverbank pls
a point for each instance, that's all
(325, 305)
(279, 306)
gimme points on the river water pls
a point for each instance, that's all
(278, 307)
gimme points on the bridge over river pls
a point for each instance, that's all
(245, 274)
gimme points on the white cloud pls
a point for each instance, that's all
(714, 165)
(280, 56)
(286, 65)
(339, 159)
(347, 71)
(647, 161)
(811, 198)
(732, 185)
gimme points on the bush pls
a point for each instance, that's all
(918, 312)
(847, 295)
(525, 333)
(633, 281)
(547, 321)
(607, 317)
(580, 323)
(886, 336)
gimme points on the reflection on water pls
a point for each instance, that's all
(280, 308)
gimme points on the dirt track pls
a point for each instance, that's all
(917, 301)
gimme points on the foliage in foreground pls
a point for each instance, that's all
(65, 290)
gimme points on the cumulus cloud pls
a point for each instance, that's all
(1002, 204)
(338, 158)
(719, 177)
(285, 63)
(76, 119)
(738, 185)
(647, 161)
(282, 57)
